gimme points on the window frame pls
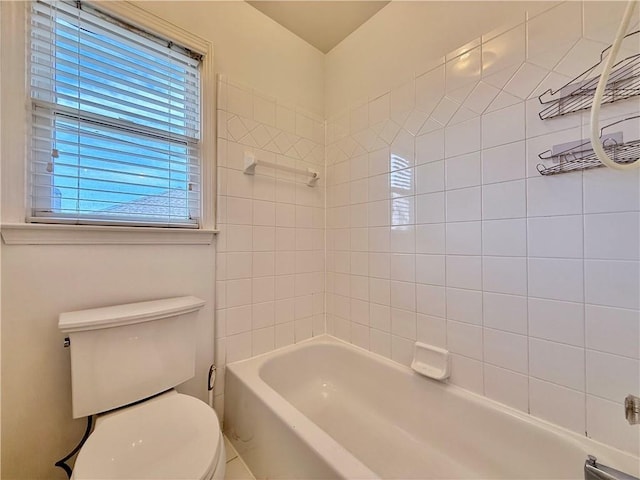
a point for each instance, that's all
(20, 231)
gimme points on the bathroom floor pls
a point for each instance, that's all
(236, 468)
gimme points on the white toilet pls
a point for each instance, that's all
(125, 362)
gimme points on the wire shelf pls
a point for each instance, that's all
(578, 94)
(581, 156)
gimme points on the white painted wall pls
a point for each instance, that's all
(441, 230)
(39, 282)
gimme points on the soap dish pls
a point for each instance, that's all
(430, 361)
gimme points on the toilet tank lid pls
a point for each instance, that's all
(117, 315)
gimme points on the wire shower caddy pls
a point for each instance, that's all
(582, 156)
(578, 94)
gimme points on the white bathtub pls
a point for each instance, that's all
(326, 409)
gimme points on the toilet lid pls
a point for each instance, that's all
(172, 436)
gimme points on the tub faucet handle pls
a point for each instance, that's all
(632, 409)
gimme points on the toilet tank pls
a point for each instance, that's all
(125, 353)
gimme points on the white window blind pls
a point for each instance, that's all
(115, 122)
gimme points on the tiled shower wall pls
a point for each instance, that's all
(441, 230)
(270, 250)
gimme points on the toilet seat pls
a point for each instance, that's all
(170, 437)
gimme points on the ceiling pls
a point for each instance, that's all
(322, 23)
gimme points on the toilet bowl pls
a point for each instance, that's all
(125, 362)
(170, 436)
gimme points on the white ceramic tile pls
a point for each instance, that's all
(378, 213)
(403, 295)
(462, 138)
(464, 238)
(505, 312)
(403, 239)
(263, 264)
(380, 343)
(238, 266)
(611, 376)
(464, 272)
(504, 200)
(464, 70)
(481, 97)
(238, 292)
(430, 147)
(555, 236)
(284, 334)
(606, 424)
(504, 237)
(467, 373)
(612, 283)
(598, 185)
(430, 238)
(262, 340)
(464, 204)
(379, 265)
(503, 163)
(429, 89)
(464, 339)
(239, 238)
(303, 329)
(430, 208)
(379, 109)
(557, 321)
(558, 363)
(262, 315)
(553, 33)
(379, 239)
(263, 289)
(554, 195)
(239, 211)
(464, 305)
(463, 171)
(359, 263)
(503, 126)
(580, 57)
(504, 50)
(430, 177)
(613, 330)
(445, 110)
(504, 99)
(359, 239)
(401, 350)
(525, 80)
(379, 291)
(430, 300)
(403, 267)
(378, 188)
(432, 330)
(506, 350)
(238, 319)
(238, 347)
(507, 387)
(430, 269)
(504, 275)
(403, 323)
(360, 335)
(559, 405)
(613, 236)
(402, 100)
(557, 279)
(380, 317)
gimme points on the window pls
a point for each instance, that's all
(115, 122)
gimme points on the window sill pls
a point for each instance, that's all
(50, 234)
